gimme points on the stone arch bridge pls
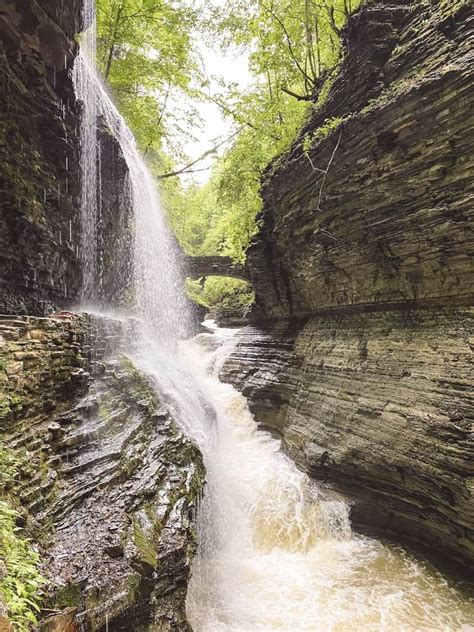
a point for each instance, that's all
(196, 267)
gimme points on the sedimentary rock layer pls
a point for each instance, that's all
(380, 405)
(378, 210)
(107, 483)
(40, 223)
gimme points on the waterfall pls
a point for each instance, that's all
(156, 263)
(276, 550)
(85, 90)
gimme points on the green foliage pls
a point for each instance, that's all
(19, 589)
(221, 292)
(8, 469)
(9, 404)
(294, 52)
(146, 56)
(329, 126)
(194, 216)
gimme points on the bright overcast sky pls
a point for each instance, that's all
(232, 68)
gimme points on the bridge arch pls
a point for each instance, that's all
(205, 266)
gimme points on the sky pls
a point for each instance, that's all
(231, 67)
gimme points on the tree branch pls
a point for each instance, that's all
(300, 97)
(114, 35)
(327, 170)
(207, 153)
(180, 172)
(290, 45)
(160, 117)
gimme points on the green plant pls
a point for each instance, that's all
(321, 132)
(221, 292)
(19, 589)
(8, 468)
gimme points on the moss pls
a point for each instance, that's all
(145, 543)
(9, 405)
(105, 407)
(329, 125)
(133, 584)
(128, 467)
(138, 387)
(323, 94)
(8, 468)
(68, 597)
(5, 409)
(451, 7)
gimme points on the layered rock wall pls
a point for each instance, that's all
(391, 219)
(40, 223)
(380, 404)
(106, 484)
(364, 281)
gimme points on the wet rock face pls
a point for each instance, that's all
(40, 225)
(108, 483)
(116, 224)
(364, 282)
(123, 537)
(43, 363)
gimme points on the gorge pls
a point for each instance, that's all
(265, 478)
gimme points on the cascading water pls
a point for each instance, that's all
(86, 94)
(156, 265)
(275, 551)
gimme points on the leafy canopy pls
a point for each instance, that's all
(147, 53)
(293, 48)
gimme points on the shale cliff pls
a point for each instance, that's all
(93, 469)
(362, 359)
(39, 171)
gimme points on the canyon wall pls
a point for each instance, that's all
(363, 273)
(40, 226)
(100, 478)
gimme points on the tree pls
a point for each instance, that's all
(145, 54)
(294, 48)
